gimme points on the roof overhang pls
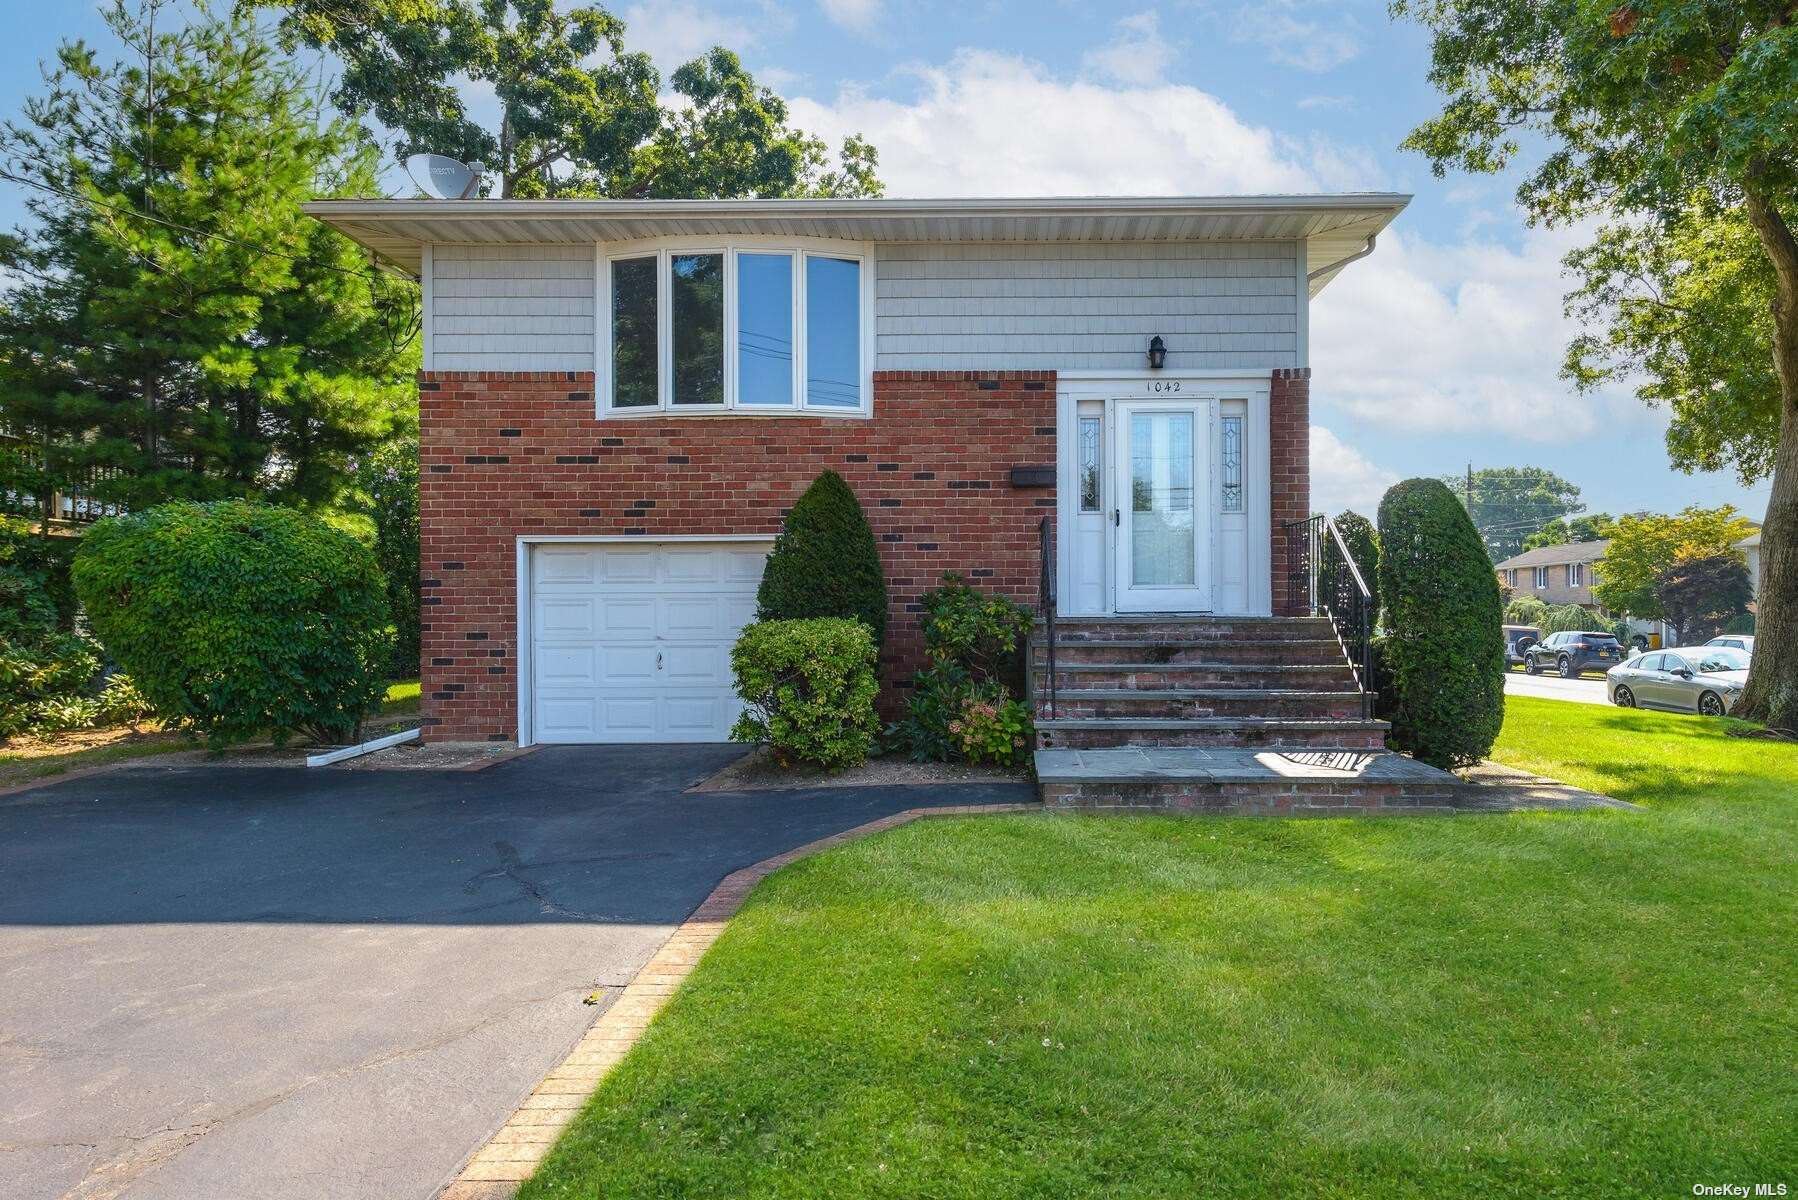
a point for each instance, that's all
(1334, 228)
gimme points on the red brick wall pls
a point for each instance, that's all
(1289, 448)
(505, 454)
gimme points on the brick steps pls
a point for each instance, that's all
(1186, 703)
(1103, 732)
(1289, 651)
(1132, 676)
(1324, 782)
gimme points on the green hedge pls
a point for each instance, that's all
(389, 478)
(239, 618)
(825, 562)
(1443, 649)
(808, 687)
(47, 670)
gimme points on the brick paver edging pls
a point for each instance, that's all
(497, 1168)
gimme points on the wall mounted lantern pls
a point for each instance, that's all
(1157, 352)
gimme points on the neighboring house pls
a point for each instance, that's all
(620, 400)
(1750, 547)
(1562, 574)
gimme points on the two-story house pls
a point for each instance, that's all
(1561, 574)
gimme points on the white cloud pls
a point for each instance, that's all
(1342, 477)
(1294, 39)
(990, 124)
(1311, 102)
(857, 16)
(1463, 338)
(675, 32)
(1136, 53)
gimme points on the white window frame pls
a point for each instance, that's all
(1541, 579)
(1576, 575)
(665, 250)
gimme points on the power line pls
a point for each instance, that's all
(176, 225)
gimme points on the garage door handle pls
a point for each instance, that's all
(658, 660)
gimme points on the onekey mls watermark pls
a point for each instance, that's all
(1739, 1189)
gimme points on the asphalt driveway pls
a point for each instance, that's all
(247, 983)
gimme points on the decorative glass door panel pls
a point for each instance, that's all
(1162, 522)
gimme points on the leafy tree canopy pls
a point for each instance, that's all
(1508, 504)
(1673, 126)
(577, 113)
(175, 326)
(1588, 527)
(1702, 595)
(1645, 546)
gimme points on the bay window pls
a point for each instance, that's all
(758, 326)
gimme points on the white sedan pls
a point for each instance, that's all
(1701, 679)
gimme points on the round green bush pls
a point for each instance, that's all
(1443, 650)
(825, 562)
(808, 687)
(239, 618)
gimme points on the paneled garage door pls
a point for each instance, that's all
(631, 643)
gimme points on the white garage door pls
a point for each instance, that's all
(631, 643)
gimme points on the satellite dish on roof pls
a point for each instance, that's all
(444, 178)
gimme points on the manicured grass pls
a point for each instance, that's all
(402, 697)
(1497, 1005)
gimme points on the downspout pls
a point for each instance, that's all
(1343, 262)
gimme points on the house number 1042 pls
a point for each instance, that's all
(1162, 385)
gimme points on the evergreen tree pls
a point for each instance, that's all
(825, 562)
(178, 328)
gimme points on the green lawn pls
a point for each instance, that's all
(402, 697)
(1593, 1004)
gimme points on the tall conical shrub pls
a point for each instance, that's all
(825, 562)
(1443, 648)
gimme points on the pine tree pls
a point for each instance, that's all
(179, 327)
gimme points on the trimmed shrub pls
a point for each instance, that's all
(238, 618)
(1443, 647)
(809, 689)
(389, 478)
(825, 562)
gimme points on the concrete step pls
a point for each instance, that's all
(1076, 733)
(1126, 676)
(1291, 651)
(1188, 703)
(1325, 781)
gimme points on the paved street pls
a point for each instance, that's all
(229, 983)
(1587, 689)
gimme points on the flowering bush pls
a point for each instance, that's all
(992, 728)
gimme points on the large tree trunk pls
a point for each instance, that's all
(1772, 693)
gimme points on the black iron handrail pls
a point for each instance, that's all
(1045, 602)
(1323, 579)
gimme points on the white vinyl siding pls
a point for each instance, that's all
(1085, 306)
(937, 306)
(511, 308)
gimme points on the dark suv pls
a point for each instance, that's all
(1571, 653)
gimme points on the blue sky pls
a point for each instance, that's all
(1440, 350)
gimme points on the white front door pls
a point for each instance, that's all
(1161, 522)
(630, 642)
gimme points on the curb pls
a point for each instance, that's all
(510, 1155)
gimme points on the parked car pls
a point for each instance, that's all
(1735, 641)
(1570, 653)
(1518, 639)
(1702, 679)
